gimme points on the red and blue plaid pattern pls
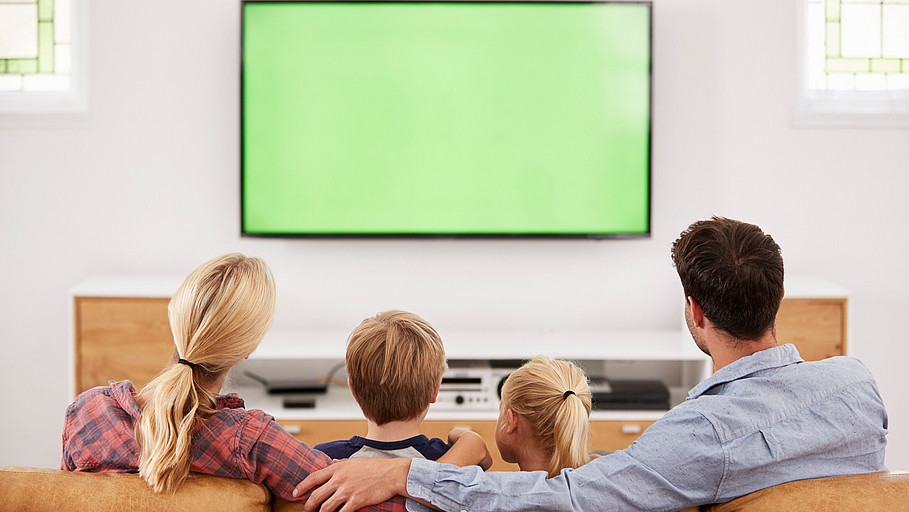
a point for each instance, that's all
(236, 443)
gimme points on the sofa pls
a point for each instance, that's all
(50, 490)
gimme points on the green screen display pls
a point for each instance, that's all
(446, 118)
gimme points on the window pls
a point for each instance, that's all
(856, 58)
(42, 56)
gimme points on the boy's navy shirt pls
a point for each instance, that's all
(415, 447)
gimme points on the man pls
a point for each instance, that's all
(764, 418)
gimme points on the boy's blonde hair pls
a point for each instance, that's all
(218, 317)
(394, 362)
(554, 397)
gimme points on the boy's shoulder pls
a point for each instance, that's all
(341, 449)
(430, 449)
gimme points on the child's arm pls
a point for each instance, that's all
(467, 449)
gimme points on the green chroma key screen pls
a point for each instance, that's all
(446, 118)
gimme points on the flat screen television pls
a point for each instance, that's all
(446, 119)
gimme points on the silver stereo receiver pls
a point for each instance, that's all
(471, 388)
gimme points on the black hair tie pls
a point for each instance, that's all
(187, 363)
(569, 392)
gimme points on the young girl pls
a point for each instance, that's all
(544, 417)
(179, 423)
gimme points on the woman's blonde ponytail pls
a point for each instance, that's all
(554, 397)
(164, 431)
(218, 317)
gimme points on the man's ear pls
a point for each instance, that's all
(697, 314)
(435, 394)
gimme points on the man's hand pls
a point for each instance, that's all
(355, 483)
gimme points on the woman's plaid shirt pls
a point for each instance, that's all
(236, 443)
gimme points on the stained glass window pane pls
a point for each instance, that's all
(841, 82)
(860, 30)
(35, 53)
(10, 82)
(18, 31)
(897, 82)
(859, 45)
(896, 31)
(870, 82)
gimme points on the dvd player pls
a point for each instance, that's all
(609, 394)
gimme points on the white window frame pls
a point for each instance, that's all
(843, 109)
(17, 107)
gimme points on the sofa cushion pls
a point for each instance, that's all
(52, 490)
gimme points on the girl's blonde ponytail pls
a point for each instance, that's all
(571, 430)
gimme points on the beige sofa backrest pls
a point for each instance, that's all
(49, 490)
(886, 491)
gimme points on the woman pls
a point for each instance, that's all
(179, 423)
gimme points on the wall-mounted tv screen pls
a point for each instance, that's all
(448, 118)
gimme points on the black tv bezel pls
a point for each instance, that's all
(466, 235)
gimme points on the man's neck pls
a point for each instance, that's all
(393, 431)
(725, 350)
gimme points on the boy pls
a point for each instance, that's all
(395, 363)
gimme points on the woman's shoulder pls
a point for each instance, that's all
(116, 395)
(232, 414)
(98, 430)
(238, 427)
(230, 401)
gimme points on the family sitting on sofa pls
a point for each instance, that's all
(766, 417)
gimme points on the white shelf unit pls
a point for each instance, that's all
(670, 356)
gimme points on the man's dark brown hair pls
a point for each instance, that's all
(734, 271)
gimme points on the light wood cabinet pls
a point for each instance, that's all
(817, 327)
(119, 338)
(615, 435)
(605, 435)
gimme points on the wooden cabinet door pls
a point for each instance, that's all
(615, 435)
(817, 327)
(120, 338)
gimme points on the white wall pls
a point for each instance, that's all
(150, 184)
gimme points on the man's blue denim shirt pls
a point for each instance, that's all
(763, 420)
